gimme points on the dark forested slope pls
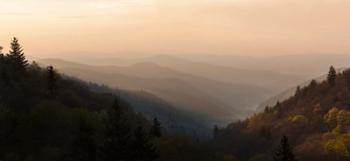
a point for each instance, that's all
(45, 116)
(175, 121)
(316, 119)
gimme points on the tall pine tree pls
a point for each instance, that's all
(2, 60)
(298, 91)
(143, 150)
(117, 139)
(284, 151)
(216, 131)
(52, 77)
(1, 48)
(313, 83)
(16, 56)
(156, 129)
(84, 147)
(332, 75)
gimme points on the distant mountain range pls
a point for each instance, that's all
(307, 65)
(300, 67)
(220, 100)
(274, 81)
(223, 88)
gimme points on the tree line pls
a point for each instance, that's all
(46, 117)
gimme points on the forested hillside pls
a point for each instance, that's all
(47, 116)
(173, 120)
(316, 120)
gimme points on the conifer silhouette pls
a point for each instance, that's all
(284, 151)
(116, 146)
(84, 146)
(156, 129)
(216, 131)
(142, 148)
(52, 77)
(16, 56)
(332, 75)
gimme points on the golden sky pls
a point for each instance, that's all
(125, 27)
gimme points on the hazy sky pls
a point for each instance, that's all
(242, 27)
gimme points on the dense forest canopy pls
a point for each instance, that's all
(316, 120)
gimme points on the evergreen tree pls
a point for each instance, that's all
(52, 77)
(216, 131)
(84, 147)
(313, 83)
(116, 145)
(34, 67)
(265, 132)
(298, 91)
(1, 48)
(332, 75)
(2, 62)
(4, 69)
(16, 56)
(4, 75)
(278, 104)
(278, 107)
(156, 129)
(284, 151)
(143, 150)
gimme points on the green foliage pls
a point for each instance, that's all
(336, 146)
(337, 120)
(299, 119)
(343, 118)
(331, 117)
(316, 119)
